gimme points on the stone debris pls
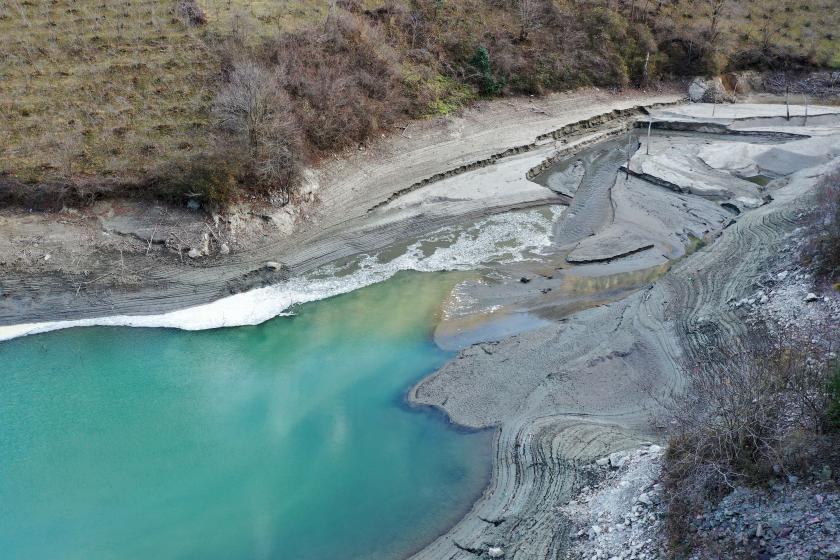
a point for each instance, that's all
(788, 301)
(621, 516)
(785, 522)
(495, 552)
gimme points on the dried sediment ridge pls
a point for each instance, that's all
(578, 389)
(565, 133)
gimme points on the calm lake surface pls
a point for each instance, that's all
(286, 440)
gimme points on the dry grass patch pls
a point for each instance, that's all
(100, 88)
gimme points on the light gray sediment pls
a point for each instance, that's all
(564, 394)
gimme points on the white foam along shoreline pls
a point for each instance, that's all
(512, 236)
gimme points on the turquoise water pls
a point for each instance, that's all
(286, 440)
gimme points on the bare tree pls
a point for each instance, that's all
(254, 108)
(247, 102)
(531, 14)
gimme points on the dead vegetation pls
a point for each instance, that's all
(768, 410)
(823, 249)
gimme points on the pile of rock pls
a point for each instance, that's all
(787, 301)
(789, 521)
(620, 518)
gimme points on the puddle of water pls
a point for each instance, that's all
(761, 180)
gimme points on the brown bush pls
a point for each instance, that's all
(256, 115)
(211, 178)
(52, 196)
(745, 417)
(343, 83)
(823, 251)
(191, 12)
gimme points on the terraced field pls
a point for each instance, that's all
(107, 88)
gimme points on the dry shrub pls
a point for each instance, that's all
(745, 417)
(52, 196)
(256, 114)
(823, 251)
(211, 178)
(344, 84)
(191, 12)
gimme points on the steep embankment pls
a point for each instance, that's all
(578, 389)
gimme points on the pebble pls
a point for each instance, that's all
(495, 552)
(617, 460)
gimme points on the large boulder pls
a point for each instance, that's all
(707, 90)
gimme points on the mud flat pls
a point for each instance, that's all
(587, 383)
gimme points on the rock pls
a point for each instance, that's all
(617, 460)
(205, 244)
(194, 253)
(782, 275)
(785, 532)
(696, 89)
(811, 297)
(702, 90)
(524, 280)
(495, 552)
(273, 265)
(759, 531)
(644, 499)
(764, 299)
(655, 448)
(603, 461)
(224, 249)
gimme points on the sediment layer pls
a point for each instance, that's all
(593, 382)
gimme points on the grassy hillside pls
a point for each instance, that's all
(803, 28)
(150, 93)
(100, 88)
